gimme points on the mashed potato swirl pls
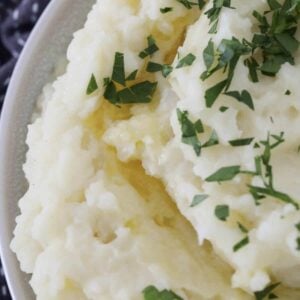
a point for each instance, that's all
(108, 210)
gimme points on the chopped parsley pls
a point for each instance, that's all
(287, 92)
(189, 4)
(243, 97)
(151, 49)
(298, 243)
(241, 142)
(214, 13)
(242, 243)
(264, 169)
(165, 10)
(266, 292)
(186, 61)
(224, 174)
(222, 212)
(118, 74)
(242, 228)
(225, 57)
(141, 92)
(132, 75)
(213, 140)
(190, 130)
(298, 226)
(152, 293)
(198, 199)
(92, 86)
(223, 108)
(153, 67)
(276, 42)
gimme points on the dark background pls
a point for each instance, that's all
(17, 17)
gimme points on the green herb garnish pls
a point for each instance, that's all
(165, 10)
(225, 58)
(266, 292)
(152, 293)
(298, 226)
(224, 174)
(186, 61)
(92, 86)
(223, 108)
(264, 169)
(222, 212)
(153, 67)
(242, 243)
(189, 4)
(190, 130)
(141, 92)
(241, 142)
(242, 228)
(298, 243)
(213, 140)
(243, 97)
(132, 75)
(198, 199)
(151, 49)
(287, 92)
(118, 74)
(214, 13)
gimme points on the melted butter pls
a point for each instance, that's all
(99, 120)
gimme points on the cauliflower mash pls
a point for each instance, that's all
(165, 161)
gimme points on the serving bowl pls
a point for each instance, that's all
(47, 43)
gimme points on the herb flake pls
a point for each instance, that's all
(152, 293)
(222, 212)
(92, 86)
(198, 199)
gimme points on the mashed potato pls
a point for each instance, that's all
(108, 210)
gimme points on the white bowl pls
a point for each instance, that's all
(48, 42)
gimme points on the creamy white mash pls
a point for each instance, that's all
(110, 208)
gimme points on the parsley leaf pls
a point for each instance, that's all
(265, 171)
(209, 55)
(276, 42)
(223, 108)
(198, 199)
(260, 295)
(298, 243)
(151, 49)
(152, 293)
(243, 97)
(224, 174)
(242, 243)
(242, 228)
(298, 226)
(165, 10)
(222, 212)
(92, 86)
(153, 67)
(186, 61)
(141, 92)
(287, 92)
(225, 57)
(189, 4)
(241, 142)
(213, 140)
(189, 131)
(118, 74)
(132, 76)
(213, 93)
(214, 12)
(138, 93)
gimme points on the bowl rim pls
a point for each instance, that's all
(37, 36)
